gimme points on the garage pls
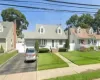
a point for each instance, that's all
(29, 43)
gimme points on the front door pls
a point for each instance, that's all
(52, 43)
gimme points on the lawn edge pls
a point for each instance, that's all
(8, 60)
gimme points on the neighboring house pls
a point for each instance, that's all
(48, 36)
(83, 37)
(8, 35)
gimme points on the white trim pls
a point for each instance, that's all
(6, 45)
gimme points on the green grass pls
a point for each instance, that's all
(50, 61)
(82, 58)
(89, 75)
(4, 57)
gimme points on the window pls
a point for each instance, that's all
(89, 41)
(43, 42)
(41, 30)
(59, 31)
(60, 42)
(95, 41)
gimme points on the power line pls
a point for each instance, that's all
(73, 3)
(31, 7)
(51, 4)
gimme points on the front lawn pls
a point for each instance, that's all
(89, 75)
(4, 57)
(50, 61)
(82, 58)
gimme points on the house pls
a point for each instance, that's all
(79, 37)
(7, 35)
(49, 36)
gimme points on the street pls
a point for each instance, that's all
(17, 65)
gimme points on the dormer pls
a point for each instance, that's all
(59, 30)
(91, 30)
(78, 29)
(1, 28)
(41, 30)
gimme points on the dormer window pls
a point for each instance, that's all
(1, 28)
(59, 31)
(91, 31)
(41, 30)
(78, 30)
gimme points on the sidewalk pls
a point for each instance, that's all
(51, 73)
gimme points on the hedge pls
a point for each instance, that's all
(62, 49)
(43, 50)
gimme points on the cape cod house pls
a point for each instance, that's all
(8, 35)
(49, 36)
(83, 37)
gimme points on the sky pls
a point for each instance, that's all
(47, 17)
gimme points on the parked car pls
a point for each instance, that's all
(30, 54)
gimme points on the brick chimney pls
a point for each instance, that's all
(14, 33)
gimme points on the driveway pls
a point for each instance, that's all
(17, 65)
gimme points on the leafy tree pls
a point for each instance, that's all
(37, 45)
(73, 21)
(12, 14)
(97, 19)
(84, 21)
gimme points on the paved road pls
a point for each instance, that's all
(17, 65)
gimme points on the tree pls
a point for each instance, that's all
(67, 44)
(36, 45)
(12, 14)
(84, 21)
(97, 19)
(73, 21)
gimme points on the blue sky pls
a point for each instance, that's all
(48, 17)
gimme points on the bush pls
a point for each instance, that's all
(43, 50)
(83, 49)
(62, 49)
(91, 48)
(37, 46)
(99, 47)
(1, 49)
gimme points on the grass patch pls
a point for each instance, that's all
(82, 58)
(50, 61)
(88, 75)
(4, 57)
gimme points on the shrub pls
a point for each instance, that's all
(83, 49)
(66, 44)
(37, 46)
(99, 47)
(62, 49)
(91, 48)
(1, 49)
(43, 50)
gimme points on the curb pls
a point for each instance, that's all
(8, 60)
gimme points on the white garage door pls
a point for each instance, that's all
(20, 47)
(29, 43)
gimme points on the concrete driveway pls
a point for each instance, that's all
(17, 65)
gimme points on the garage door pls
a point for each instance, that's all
(20, 47)
(29, 43)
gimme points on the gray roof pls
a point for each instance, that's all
(6, 27)
(50, 33)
